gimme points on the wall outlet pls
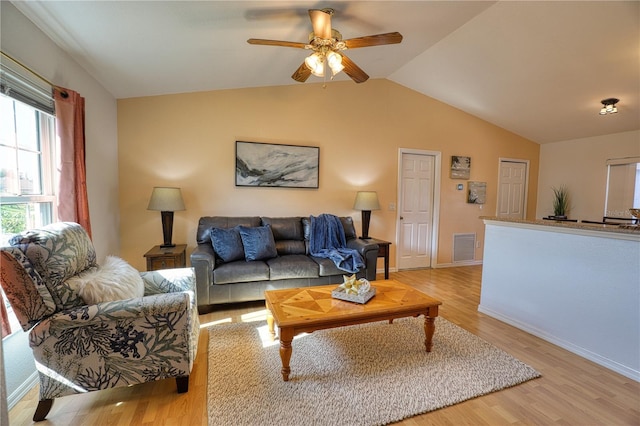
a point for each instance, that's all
(478, 243)
(392, 206)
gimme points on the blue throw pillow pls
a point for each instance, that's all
(227, 243)
(258, 243)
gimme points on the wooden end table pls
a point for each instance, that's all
(166, 257)
(304, 310)
(383, 251)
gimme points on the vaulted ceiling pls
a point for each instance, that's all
(536, 68)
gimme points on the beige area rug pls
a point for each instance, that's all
(369, 374)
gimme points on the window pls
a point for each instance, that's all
(27, 155)
(623, 186)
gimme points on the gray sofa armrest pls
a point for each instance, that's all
(369, 252)
(203, 260)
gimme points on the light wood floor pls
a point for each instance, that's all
(571, 391)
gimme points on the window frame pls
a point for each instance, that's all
(47, 155)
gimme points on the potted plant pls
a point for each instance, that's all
(560, 202)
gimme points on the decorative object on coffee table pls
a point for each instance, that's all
(167, 201)
(366, 201)
(354, 290)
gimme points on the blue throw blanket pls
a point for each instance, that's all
(327, 240)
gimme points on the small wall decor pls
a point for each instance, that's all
(477, 192)
(265, 164)
(460, 167)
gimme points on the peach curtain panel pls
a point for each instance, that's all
(6, 327)
(73, 204)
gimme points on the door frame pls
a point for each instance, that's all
(526, 181)
(435, 214)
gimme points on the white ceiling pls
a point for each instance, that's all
(536, 68)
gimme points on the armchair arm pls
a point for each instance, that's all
(369, 252)
(168, 281)
(203, 261)
(129, 309)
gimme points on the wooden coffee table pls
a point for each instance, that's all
(304, 310)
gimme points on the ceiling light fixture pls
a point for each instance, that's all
(609, 106)
(315, 61)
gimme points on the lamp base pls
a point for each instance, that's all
(167, 229)
(366, 217)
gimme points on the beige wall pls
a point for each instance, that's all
(580, 164)
(188, 140)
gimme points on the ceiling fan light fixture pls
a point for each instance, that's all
(609, 106)
(335, 62)
(316, 64)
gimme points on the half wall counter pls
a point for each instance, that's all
(575, 285)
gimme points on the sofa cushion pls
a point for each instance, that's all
(227, 243)
(286, 247)
(327, 267)
(288, 234)
(292, 266)
(285, 228)
(241, 272)
(258, 243)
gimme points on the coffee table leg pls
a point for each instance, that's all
(272, 331)
(429, 329)
(286, 336)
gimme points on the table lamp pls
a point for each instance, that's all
(366, 201)
(167, 201)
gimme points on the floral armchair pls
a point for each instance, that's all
(81, 348)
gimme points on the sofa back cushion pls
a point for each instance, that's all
(58, 252)
(287, 233)
(203, 235)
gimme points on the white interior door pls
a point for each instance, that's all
(512, 189)
(415, 211)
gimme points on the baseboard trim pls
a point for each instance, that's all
(578, 350)
(22, 390)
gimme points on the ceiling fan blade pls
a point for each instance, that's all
(302, 73)
(276, 43)
(321, 22)
(373, 40)
(353, 71)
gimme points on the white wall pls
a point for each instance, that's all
(575, 288)
(21, 39)
(580, 164)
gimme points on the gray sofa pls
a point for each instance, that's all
(243, 280)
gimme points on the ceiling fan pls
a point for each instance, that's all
(327, 45)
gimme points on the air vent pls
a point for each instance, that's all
(464, 247)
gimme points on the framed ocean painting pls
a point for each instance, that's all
(276, 165)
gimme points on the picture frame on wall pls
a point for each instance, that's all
(460, 167)
(277, 165)
(477, 192)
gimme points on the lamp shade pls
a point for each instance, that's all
(166, 199)
(366, 200)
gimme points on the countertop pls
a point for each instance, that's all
(617, 229)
